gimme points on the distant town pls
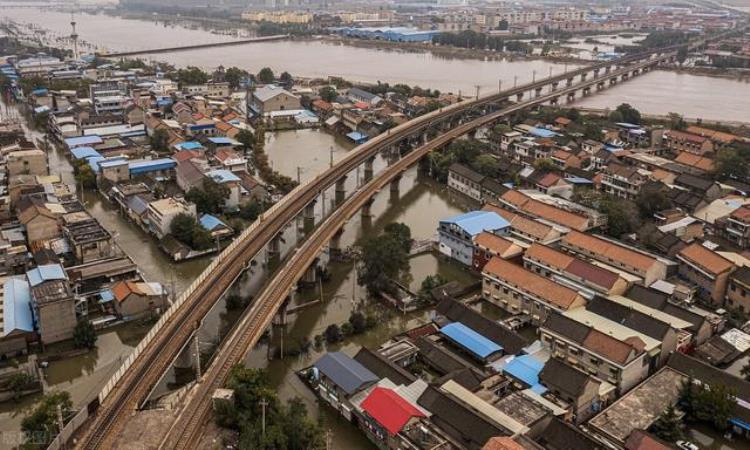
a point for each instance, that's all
(220, 257)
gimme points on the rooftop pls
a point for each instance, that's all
(708, 260)
(348, 374)
(389, 409)
(475, 222)
(470, 340)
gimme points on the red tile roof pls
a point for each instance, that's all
(389, 409)
(609, 347)
(706, 259)
(542, 210)
(502, 443)
(534, 284)
(607, 249)
(496, 244)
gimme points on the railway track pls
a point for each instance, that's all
(146, 370)
(186, 431)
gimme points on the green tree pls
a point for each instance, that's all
(628, 113)
(573, 114)
(358, 322)
(19, 382)
(384, 259)
(328, 93)
(84, 335)
(246, 138)
(210, 198)
(652, 199)
(286, 79)
(713, 404)
(182, 227)
(333, 334)
(251, 210)
(544, 165)
(682, 54)
(676, 121)
(159, 140)
(401, 232)
(732, 163)
(41, 423)
(192, 75)
(429, 283)
(85, 176)
(487, 165)
(201, 238)
(234, 76)
(622, 216)
(266, 75)
(668, 426)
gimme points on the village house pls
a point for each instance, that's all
(88, 240)
(488, 246)
(573, 272)
(574, 387)
(161, 212)
(623, 181)
(680, 141)
(456, 235)
(520, 291)
(138, 299)
(706, 269)
(517, 201)
(466, 181)
(40, 223)
(620, 362)
(52, 302)
(270, 98)
(735, 227)
(26, 162)
(17, 326)
(648, 267)
(738, 292)
(527, 229)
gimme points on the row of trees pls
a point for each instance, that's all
(187, 230)
(357, 323)
(256, 143)
(287, 425)
(481, 41)
(233, 75)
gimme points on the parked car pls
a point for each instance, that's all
(686, 445)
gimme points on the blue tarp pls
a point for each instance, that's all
(740, 423)
(222, 176)
(84, 152)
(542, 132)
(210, 222)
(47, 272)
(525, 368)
(470, 340)
(192, 145)
(106, 296)
(17, 306)
(357, 137)
(83, 140)
(223, 141)
(475, 222)
(345, 372)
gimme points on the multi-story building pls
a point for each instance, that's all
(271, 98)
(488, 246)
(26, 162)
(622, 362)
(735, 227)
(623, 181)
(52, 303)
(573, 272)
(520, 202)
(738, 292)
(466, 181)
(457, 234)
(88, 239)
(708, 270)
(680, 141)
(521, 291)
(161, 212)
(644, 265)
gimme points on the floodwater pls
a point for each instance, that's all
(655, 93)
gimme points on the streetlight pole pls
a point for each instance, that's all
(533, 76)
(515, 80)
(500, 85)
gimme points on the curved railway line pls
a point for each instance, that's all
(187, 429)
(153, 357)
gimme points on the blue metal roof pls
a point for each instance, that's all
(525, 368)
(47, 272)
(210, 222)
(222, 176)
(223, 141)
(137, 204)
(83, 140)
(475, 222)
(84, 152)
(40, 91)
(356, 136)
(192, 145)
(470, 339)
(347, 373)
(151, 165)
(118, 161)
(17, 306)
(740, 423)
(542, 132)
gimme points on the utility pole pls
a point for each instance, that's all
(515, 80)
(550, 71)
(263, 404)
(499, 85)
(299, 174)
(197, 357)
(330, 163)
(533, 76)
(477, 86)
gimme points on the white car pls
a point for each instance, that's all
(686, 445)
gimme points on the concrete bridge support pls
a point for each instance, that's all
(571, 97)
(569, 82)
(367, 208)
(553, 86)
(369, 168)
(341, 190)
(583, 77)
(538, 92)
(624, 77)
(281, 318)
(308, 216)
(600, 86)
(187, 358)
(554, 101)
(596, 73)
(335, 244)
(311, 274)
(612, 81)
(607, 69)
(395, 192)
(519, 97)
(274, 250)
